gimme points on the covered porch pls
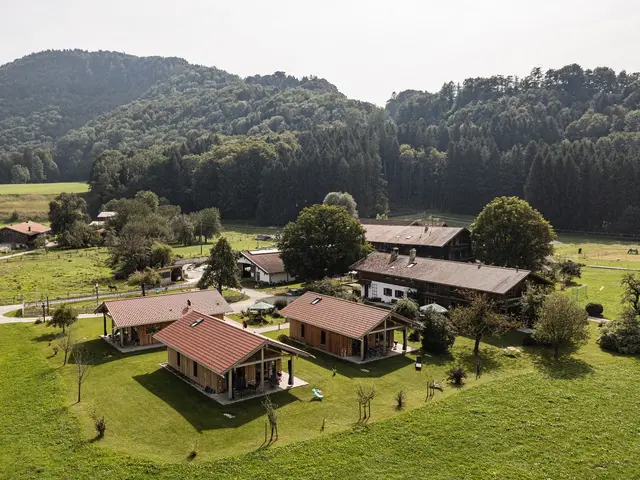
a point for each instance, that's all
(381, 340)
(132, 338)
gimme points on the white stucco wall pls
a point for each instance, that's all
(376, 290)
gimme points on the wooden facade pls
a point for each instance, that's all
(380, 337)
(248, 371)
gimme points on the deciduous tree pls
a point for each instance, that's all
(510, 233)
(63, 316)
(324, 241)
(562, 322)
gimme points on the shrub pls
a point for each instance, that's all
(99, 424)
(401, 400)
(414, 336)
(407, 308)
(284, 338)
(280, 303)
(438, 333)
(594, 309)
(357, 291)
(194, 451)
(621, 335)
(456, 375)
(276, 314)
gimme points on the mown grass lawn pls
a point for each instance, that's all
(527, 418)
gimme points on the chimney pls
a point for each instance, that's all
(29, 227)
(412, 255)
(394, 254)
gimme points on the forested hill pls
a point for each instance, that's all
(567, 140)
(263, 147)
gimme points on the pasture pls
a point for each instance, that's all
(526, 418)
(21, 202)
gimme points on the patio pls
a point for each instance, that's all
(223, 398)
(130, 347)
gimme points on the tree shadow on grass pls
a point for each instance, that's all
(100, 352)
(489, 360)
(565, 368)
(200, 411)
(47, 337)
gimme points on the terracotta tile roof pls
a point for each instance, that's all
(130, 312)
(269, 261)
(428, 236)
(29, 228)
(471, 276)
(214, 343)
(344, 317)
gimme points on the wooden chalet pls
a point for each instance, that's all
(388, 277)
(134, 321)
(222, 358)
(348, 329)
(446, 243)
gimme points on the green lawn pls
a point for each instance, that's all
(527, 418)
(44, 188)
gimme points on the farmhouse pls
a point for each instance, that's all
(263, 266)
(387, 277)
(446, 243)
(348, 329)
(24, 233)
(135, 320)
(221, 358)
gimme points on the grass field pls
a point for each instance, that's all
(526, 418)
(31, 201)
(43, 188)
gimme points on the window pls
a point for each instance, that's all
(178, 354)
(197, 322)
(302, 330)
(374, 290)
(195, 369)
(387, 292)
(315, 301)
(323, 337)
(399, 294)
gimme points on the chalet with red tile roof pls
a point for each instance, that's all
(223, 358)
(24, 233)
(264, 266)
(134, 321)
(352, 330)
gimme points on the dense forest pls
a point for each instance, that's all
(264, 147)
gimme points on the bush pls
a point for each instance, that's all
(280, 303)
(621, 335)
(407, 308)
(594, 309)
(414, 336)
(99, 424)
(456, 375)
(438, 333)
(284, 338)
(401, 400)
(276, 314)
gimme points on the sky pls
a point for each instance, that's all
(368, 49)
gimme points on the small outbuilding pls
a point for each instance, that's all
(263, 266)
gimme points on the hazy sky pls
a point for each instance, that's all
(367, 48)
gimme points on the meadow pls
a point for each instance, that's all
(527, 418)
(21, 202)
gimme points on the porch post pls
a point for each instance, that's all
(112, 329)
(404, 340)
(384, 337)
(104, 322)
(230, 384)
(121, 337)
(362, 349)
(262, 368)
(291, 370)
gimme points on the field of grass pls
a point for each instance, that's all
(240, 236)
(31, 201)
(603, 285)
(526, 418)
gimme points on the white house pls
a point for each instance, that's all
(263, 266)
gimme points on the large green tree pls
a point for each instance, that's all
(324, 241)
(63, 317)
(222, 268)
(65, 210)
(510, 233)
(342, 199)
